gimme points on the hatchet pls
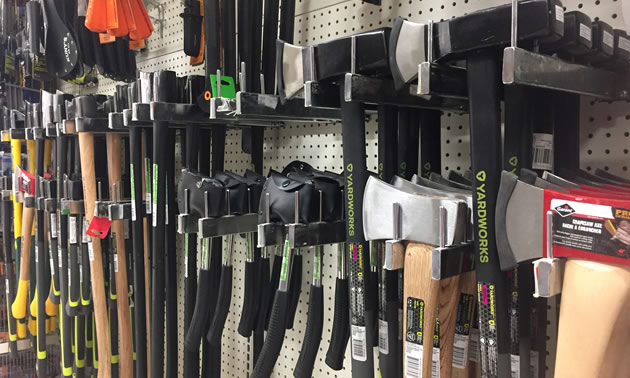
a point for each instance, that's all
(421, 293)
(522, 208)
(454, 325)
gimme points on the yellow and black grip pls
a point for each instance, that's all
(80, 351)
(16, 154)
(9, 273)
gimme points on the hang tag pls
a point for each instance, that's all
(137, 45)
(99, 227)
(106, 38)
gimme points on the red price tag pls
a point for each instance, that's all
(99, 227)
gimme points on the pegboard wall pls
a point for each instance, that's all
(605, 137)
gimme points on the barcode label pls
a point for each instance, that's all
(115, 262)
(516, 365)
(435, 363)
(474, 345)
(359, 343)
(543, 151)
(460, 351)
(80, 274)
(166, 214)
(383, 337)
(413, 360)
(53, 225)
(59, 255)
(623, 44)
(84, 235)
(72, 228)
(559, 14)
(69, 277)
(6, 285)
(585, 32)
(608, 39)
(52, 265)
(36, 253)
(148, 201)
(90, 251)
(533, 361)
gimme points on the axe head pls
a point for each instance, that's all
(418, 219)
(406, 50)
(518, 221)
(289, 69)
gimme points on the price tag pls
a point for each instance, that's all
(90, 251)
(359, 347)
(106, 38)
(115, 262)
(460, 351)
(72, 228)
(515, 362)
(137, 45)
(383, 337)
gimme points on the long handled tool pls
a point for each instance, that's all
(86, 145)
(16, 155)
(113, 141)
(40, 260)
(172, 330)
(137, 217)
(7, 244)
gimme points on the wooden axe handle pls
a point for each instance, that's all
(593, 327)
(86, 146)
(113, 141)
(448, 299)
(418, 284)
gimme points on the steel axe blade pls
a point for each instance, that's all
(584, 226)
(419, 215)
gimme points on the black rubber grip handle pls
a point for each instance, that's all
(248, 314)
(266, 291)
(313, 336)
(295, 286)
(223, 307)
(74, 288)
(340, 333)
(275, 279)
(200, 315)
(275, 336)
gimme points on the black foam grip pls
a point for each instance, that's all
(200, 315)
(372, 300)
(248, 314)
(275, 279)
(223, 307)
(275, 336)
(340, 333)
(265, 294)
(295, 286)
(313, 336)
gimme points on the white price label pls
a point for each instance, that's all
(36, 254)
(148, 202)
(154, 213)
(166, 214)
(59, 260)
(90, 251)
(80, 274)
(533, 361)
(133, 210)
(359, 343)
(84, 235)
(413, 360)
(608, 39)
(515, 362)
(435, 363)
(383, 337)
(115, 262)
(585, 32)
(52, 265)
(460, 351)
(559, 14)
(6, 285)
(72, 229)
(624, 44)
(69, 277)
(53, 225)
(542, 151)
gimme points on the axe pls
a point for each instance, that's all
(421, 293)
(522, 209)
(454, 333)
